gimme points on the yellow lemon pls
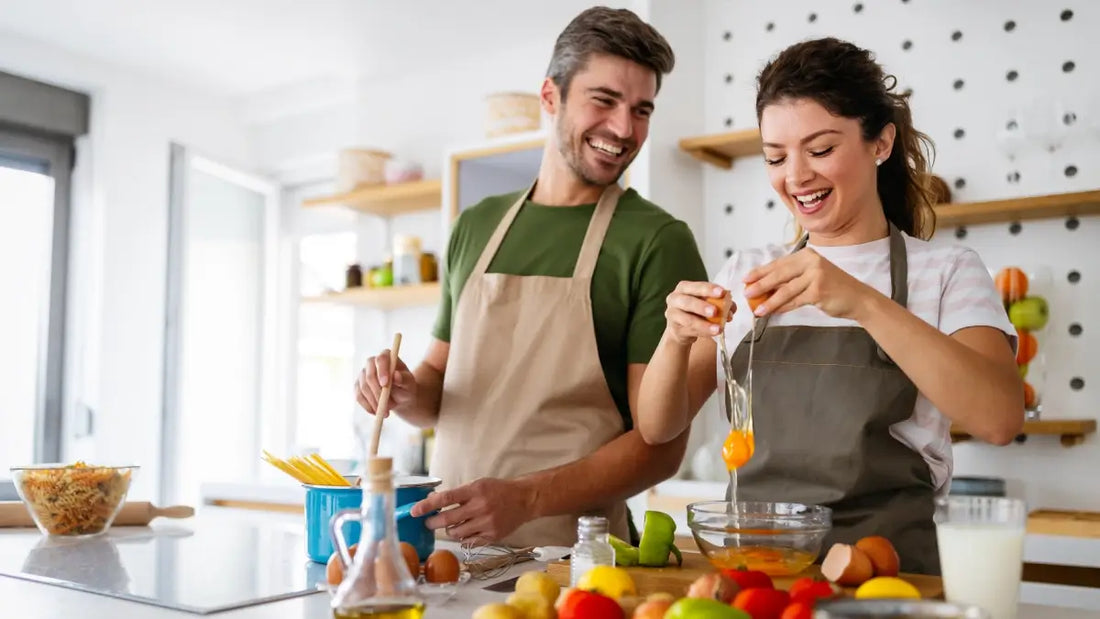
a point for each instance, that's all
(539, 583)
(887, 587)
(613, 582)
(533, 605)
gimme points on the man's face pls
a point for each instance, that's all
(605, 118)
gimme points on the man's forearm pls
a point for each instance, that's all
(429, 393)
(615, 472)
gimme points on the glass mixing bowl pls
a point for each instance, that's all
(779, 539)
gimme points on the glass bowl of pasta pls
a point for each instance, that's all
(74, 500)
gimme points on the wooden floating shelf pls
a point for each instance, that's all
(387, 200)
(1018, 209)
(721, 149)
(1071, 431)
(387, 298)
(1062, 522)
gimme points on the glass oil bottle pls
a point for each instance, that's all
(378, 584)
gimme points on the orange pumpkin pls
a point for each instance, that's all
(1031, 399)
(1012, 283)
(1026, 348)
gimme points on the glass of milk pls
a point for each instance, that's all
(981, 543)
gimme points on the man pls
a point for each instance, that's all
(553, 302)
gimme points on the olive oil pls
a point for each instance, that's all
(381, 611)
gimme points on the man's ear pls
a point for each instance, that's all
(550, 96)
(884, 143)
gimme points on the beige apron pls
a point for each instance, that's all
(824, 399)
(524, 390)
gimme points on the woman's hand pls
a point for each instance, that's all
(690, 315)
(806, 278)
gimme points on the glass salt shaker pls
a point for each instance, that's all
(592, 548)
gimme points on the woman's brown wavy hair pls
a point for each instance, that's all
(847, 81)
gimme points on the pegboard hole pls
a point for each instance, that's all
(1075, 329)
(1012, 125)
(957, 35)
(1066, 15)
(812, 17)
(1014, 177)
(960, 133)
(729, 209)
(1010, 26)
(858, 7)
(1073, 276)
(1015, 228)
(770, 26)
(960, 183)
(729, 252)
(1077, 383)
(906, 45)
(728, 78)
(1012, 75)
(1072, 223)
(1071, 171)
(727, 35)
(1069, 118)
(729, 121)
(1068, 66)
(958, 84)
(770, 204)
(960, 232)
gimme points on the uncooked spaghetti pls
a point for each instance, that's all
(73, 500)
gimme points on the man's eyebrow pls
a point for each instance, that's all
(618, 96)
(808, 138)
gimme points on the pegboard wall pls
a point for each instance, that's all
(1009, 92)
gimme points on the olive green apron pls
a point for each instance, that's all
(824, 399)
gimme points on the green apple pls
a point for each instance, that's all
(702, 608)
(381, 277)
(1023, 370)
(1029, 313)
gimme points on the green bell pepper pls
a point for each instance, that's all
(625, 554)
(658, 539)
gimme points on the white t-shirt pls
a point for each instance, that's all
(949, 288)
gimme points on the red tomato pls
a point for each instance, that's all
(798, 610)
(580, 604)
(749, 579)
(762, 603)
(810, 590)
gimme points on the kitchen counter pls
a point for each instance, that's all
(41, 601)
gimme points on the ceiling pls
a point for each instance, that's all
(244, 47)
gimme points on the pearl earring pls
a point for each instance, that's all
(878, 161)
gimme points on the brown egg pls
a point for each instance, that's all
(411, 559)
(847, 566)
(441, 566)
(883, 556)
(334, 570)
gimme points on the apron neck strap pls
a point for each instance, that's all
(593, 238)
(899, 276)
(597, 230)
(501, 230)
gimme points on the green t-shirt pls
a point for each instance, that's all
(645, 253)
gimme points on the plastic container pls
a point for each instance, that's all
(406, 260)
(511, 112)
(358, 167)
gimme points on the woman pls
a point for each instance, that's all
(872, 342)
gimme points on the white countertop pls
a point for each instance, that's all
(42, 601)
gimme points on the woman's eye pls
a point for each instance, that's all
(776, 161)
(822, 153)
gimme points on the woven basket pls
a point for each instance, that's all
(359, 167)
(511, 112)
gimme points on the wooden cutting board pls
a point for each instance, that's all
(133, 513)
(676, 580)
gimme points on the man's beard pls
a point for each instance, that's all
(571, 149)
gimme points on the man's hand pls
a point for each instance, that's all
(485, 511)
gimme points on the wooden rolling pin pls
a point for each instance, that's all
(133, 513)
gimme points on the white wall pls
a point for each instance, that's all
(119, 232)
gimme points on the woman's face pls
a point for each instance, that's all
(822, 167)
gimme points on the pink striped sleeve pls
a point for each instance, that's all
(969, 298)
